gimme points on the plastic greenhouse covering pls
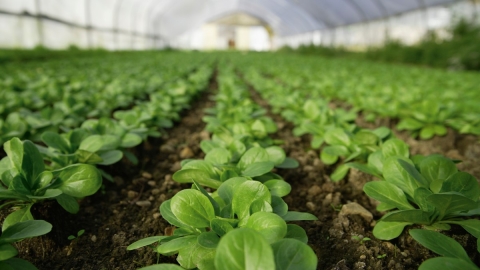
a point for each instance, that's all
(134, 24)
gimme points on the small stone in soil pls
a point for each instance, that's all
(156, 215)
(155, 191)
(186, 153)
(152, 183)
(167, 148)
(93, 238)
(147, 175)
(311, 206)
(132, 194)
(314, 190)
(176, 167)
(143, 203)
(354, 208)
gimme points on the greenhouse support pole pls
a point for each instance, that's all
(87, 24)
(39, 23)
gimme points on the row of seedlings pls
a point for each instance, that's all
(66, 169)
(425, 190)
(55, 96)
(234, 216)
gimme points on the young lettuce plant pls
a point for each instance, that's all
(217, 167)
(429, 191)
(355, 146)
(25, 181)
(427, 120)
(243, 222)
(18, 232)
(453, 254)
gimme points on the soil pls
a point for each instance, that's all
(127, 209)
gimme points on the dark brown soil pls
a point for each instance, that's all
(127, 210)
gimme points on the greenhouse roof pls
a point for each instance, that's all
(170, 18)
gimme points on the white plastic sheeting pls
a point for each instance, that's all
(140, 24)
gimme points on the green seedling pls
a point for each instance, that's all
(362, 240)
(73, 237)
(24, 181)
(382, 256)
(427, 190)
(213, 229)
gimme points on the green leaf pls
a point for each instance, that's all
(14, 150)
(228, 188)
(362, 167)
(87, 157)
(193, 255)
(437, 168)
(382, 206)
(279, 206)
(218, 156)
(288, 163)
(244, 249)
(420, 197)
(297, 216)
(79, 180)
(463, 183)
(365, 137)
(22, 214)
(439, 243)
(68, 203)
(421, 181)
(409, 124)
(220, 226)
(258, 168)
(208, 239)
(25, 229)
(472, 226)
(54, 140)
(447, 263)
(339, 173)
(110, 157)
(145, 242)
(214, 203)
(253, 155)
(246, 194)
(202, 177)
(394, 173)
(448, 203)
(270, 225)
(337, 136)
(193, 208)
(388, 193)
(96, 143)
(292, 254)
(375, 161)
(389, 230)
(163, 266)
(276, 154)
(176, 244)
(395, 147)
(16, 263)
(296, 232)
(167, 214)
(327, 158)
(336, 150)
(427, 132)
(7, 251)
(278, 188)
(32, 164)
(413, 216)
(130, 140)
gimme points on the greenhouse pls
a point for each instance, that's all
(239, 134)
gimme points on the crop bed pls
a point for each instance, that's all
(126, 209)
